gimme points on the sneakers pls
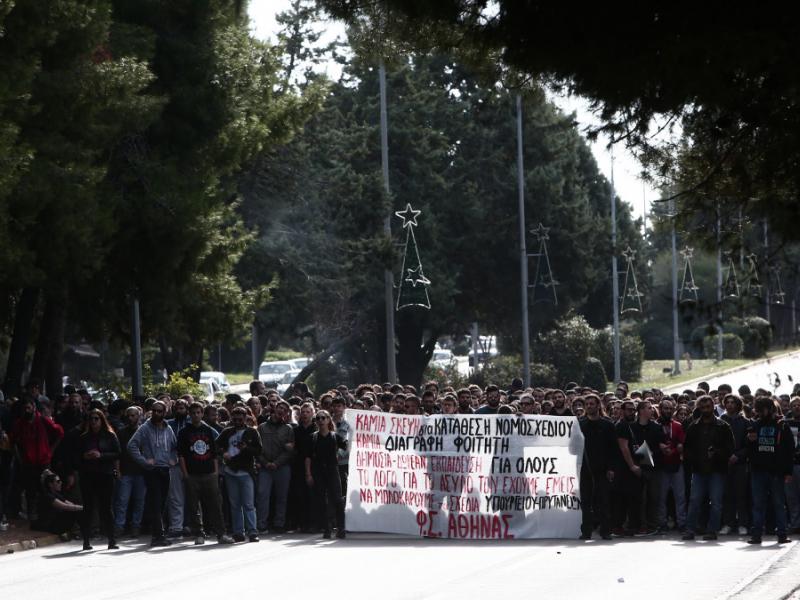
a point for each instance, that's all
(4, 525)
(199, 540)
(688, 536)
(174, 534)
(585, 536)
(225, 539)
(710, 537)
(340, 534)
(726, 530)
(618, 532)
(783, 539)
(238, 537)
(112, 545)
(742, 530)
(253, 538)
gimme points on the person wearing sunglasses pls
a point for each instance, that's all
(322, 473)
(98, 466)
(56, 514)
(154, 447)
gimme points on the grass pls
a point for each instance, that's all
(653, 374)
(238, 378)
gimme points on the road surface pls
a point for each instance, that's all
(783, 370)
(390, 567)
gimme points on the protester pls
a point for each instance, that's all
(736, 499)
(130, 492)
(708, 447)
(597, 469)
(240, 446)
(153, 447)
(322, 473)
(671, 474)
(770, 447)
(197, 453)
(274, 468)
(98, 456)
(56, 514)
(177, 490)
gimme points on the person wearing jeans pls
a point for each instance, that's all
(770, 447)
(671, 473)
(736, 499)
(793, 487)
(708, 447)
(130, 489)
(240, 445)
(275, 472)
(153, 447)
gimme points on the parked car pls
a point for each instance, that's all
(213, 391)
(287, 380)
(442, 358)
(271, 373)
(218, 376)
(300, 363)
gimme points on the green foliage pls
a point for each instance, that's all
(567, 347)
(282, 354)
(732, 346)
(764, 330)
(631, 352)
(543, 375)
(499, 370)
(177, 384)
(594, 375)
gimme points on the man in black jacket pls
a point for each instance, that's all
(770, 447)
(599, 453)
(240, 445)
(735, 509)
(708, 447)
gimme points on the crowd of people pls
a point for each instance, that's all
(704, 462)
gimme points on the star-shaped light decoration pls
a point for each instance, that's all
(541, 232)
(633, 294)
(409, 216)
(687, 253)
(415, 276)
(629, 254)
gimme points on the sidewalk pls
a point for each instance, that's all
(20, 537)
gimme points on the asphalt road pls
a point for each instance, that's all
(783, 370)
(389, 567)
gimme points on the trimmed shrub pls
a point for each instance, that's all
(631, 352)
(594, 375)
(544, 375)
(567, 346)
(499, 370)
(764, 330)
(732, 346)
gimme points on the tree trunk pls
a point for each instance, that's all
(23, 320)
(413, 353)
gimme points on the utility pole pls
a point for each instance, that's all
(388, 279)
(676, 368)
(136, 351)
(475, 347)
(719, 285)
(523, 252)
(614, 274)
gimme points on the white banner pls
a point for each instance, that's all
(464, 476)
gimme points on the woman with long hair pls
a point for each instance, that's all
(98, 459)
(322, 472)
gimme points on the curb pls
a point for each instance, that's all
(760, 361)
(47, 540)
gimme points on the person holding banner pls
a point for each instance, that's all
(599, 454)
(322, 473)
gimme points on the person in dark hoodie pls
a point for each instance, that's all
(708, 447)
(735, 501)
(98, 459)
(599, 455)
(153, 447)
(322, 473)
(240, 445)
(770, 447)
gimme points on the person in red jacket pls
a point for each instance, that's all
(35, 437)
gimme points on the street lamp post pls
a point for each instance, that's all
(614, 275)
(388, 279)
(523, 252)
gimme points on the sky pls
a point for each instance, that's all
(627, 170)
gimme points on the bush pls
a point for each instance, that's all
(594, 375)
(764, 330)
(544, 375)
(567, 347)
(698, 336)
(732, 346)
(499, 370)
(631, 351)
(657, 339)
(177, 384)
